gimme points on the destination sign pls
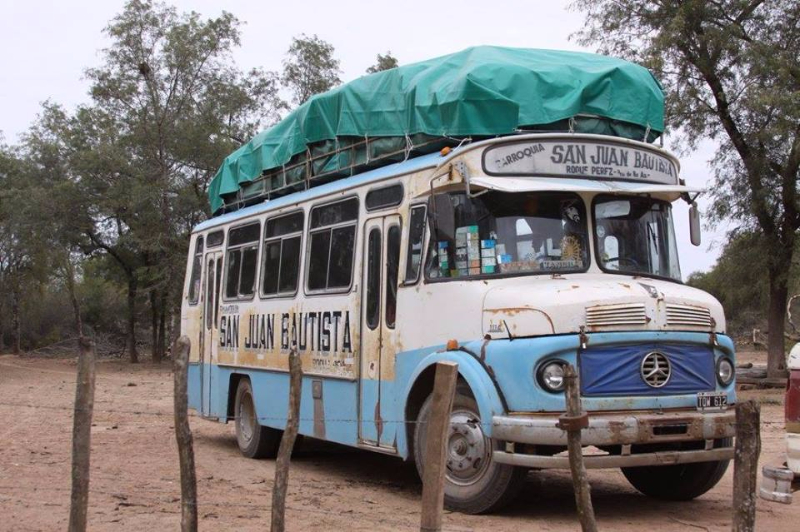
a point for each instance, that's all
(580, 158)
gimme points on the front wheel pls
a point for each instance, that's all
(474, 482)
(680, 482)
(255, 440)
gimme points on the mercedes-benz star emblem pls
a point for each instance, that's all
(656, 369)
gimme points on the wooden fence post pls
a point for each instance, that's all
(745, 465)
(82, 436)
(573, 422)
(183, 434)
(444, 388)
(287, 444)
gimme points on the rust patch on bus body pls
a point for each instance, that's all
(513, 311)
(378, 419)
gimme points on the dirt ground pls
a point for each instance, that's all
(135, 485)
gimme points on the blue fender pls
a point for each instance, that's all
(479, 381)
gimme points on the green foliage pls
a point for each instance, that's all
(384, 62)
(125, 176)
(102, 296)
(310, 68)
(738, 281)
(111, 190)
(730, 72)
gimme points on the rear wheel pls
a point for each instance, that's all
(474, 483)
(681, 482)
(255, 440)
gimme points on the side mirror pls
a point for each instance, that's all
(694, 224)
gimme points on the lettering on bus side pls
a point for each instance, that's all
(323, 331)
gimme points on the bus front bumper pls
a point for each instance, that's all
(621, 430)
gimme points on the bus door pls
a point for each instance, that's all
(210, 344)
(378, 333)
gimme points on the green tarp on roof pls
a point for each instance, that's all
(480, 91)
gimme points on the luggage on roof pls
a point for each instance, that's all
(479, 92)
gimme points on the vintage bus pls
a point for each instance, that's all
(510, 256)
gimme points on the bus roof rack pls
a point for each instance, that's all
(480, 92)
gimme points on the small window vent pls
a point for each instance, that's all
(687, 316)
(616, 315)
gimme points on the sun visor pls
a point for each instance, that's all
(544, 184)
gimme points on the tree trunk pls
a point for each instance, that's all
(154, 326)
(162, 325)
(69, 272)
(131, 347)
(778, 297)
(2, 330)
(15, 322)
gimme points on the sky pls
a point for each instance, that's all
(45, 47)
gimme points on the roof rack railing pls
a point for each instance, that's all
(312, 170)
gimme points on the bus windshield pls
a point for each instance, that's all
(501, 233)
(635, 235)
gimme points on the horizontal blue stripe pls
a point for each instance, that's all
(511, 365)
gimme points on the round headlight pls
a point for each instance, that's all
(551, 376)
(725, 371)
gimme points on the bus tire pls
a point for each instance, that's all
(474, 483)
(254, 439)
(680, 482)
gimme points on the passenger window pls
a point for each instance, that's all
(383, 198)
(216, 238)
(392, 268)
(333, 236)
(318, 260)
(210, 294)
(416, 237)
(197, 266)
(374, 278)
(290, 265)
(217, 290)
(281, 262)
(241, 261)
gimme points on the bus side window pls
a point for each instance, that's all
(392, 267)
(281, 263)
(374, 278)
(332, 233)
(241, 261)
(209, 293)
(197, 267)
(416, 237)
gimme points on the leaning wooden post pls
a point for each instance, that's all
(287, 444)
(573, 422)
(82, 436)
(183, 434)
(745, 465)
(444, 389)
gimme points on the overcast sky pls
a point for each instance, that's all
(45, 46)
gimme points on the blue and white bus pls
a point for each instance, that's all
(511, 257)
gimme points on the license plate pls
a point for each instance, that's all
(712, 401)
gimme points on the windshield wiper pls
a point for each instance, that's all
(652, 235)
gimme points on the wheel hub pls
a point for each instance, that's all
(466, 448)
(245, 419)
